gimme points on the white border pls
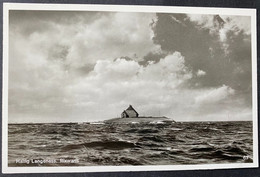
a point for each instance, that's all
(123, 8)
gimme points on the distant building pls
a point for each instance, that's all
(129, 112)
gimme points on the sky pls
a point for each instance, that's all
(90, 66)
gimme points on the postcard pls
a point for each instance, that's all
(100, 88)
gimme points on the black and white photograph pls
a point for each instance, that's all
(116, 88)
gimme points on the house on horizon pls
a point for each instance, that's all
(130, 112)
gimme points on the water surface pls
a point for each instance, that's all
(72, 144)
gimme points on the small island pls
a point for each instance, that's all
(130, 115)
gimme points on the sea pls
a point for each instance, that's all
(111, 144)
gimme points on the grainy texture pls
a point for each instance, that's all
(130, 144)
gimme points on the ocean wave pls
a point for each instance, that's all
(133, 144)
(115, 145)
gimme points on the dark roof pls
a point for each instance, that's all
(131, 108)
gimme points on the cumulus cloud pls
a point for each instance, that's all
(82, 41)
(122, 82)
(88, 66)
(201, 73)
(214, 95)
(222, 23)
(49, 51)
(216, 44)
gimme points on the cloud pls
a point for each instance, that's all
(106, 90)
(84, 38)
(201, 73)
(88, 66)
(50, 51)
(118, 68)
(215, 95)
(217, 45)
(222, 23)
(115, 84)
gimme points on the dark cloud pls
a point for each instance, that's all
(152, 56)
(61, 66)
(125, 58)
(58, 52)
(85, 69)
(225, 62)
